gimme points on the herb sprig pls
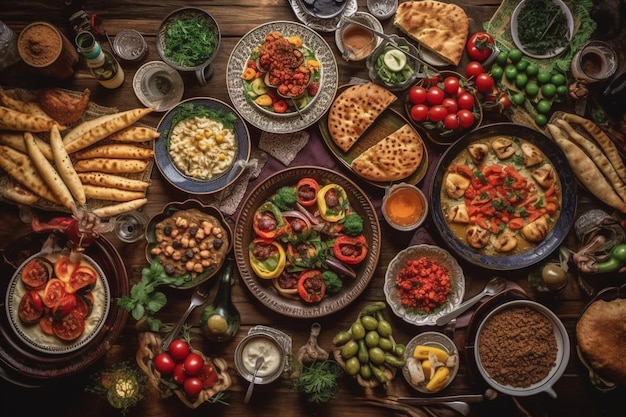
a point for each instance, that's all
(318, 381)
(144, 300)
(541, 26)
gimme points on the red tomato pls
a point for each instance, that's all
(311, 286)
(466, 118)
(313, 88)
(484, 82)
(65, 305)
(451, 85)
(63, 268)
(178, 374)
(70, 327)
(179, 349)
(192, 386)
(450, 104)
(437, 113)
(479, 46)
(36, 273)
(451, 122)
(417, 94)
(208, 376)
(83, 279)
(280, 106)
(434, 95)
(473, 69)
(431, 81)
(46, 321)
(465, 101)
(164, 363)
(193, 364)
(419, 112)
(55, 290)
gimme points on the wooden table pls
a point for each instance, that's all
(237, 17)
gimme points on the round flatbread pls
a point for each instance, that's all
(601, 337)
(354, 110)
(393, 158)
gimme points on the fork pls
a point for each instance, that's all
(198, 298)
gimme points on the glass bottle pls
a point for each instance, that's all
(101, 62)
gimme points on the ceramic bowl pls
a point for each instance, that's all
(549, 54)
(505, 342)
(253, 346)
(402, 43)
(405, 207)
(441, 257)
(435, 340)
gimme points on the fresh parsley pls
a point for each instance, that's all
(318, 381)
(542, 26)
(190, 41)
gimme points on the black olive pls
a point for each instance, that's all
(193, 231)
(217, 243)
(167, 229)
(189, 253)
(176, 244)
(170, 269)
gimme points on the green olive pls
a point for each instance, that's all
(371, 338)
(369, 322)
(357, 330)
(350, 349)
(353, 366)
(365, 371)
(553, 276)
(385, 344)
(377, 356)
(384, 328)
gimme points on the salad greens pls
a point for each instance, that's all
(190, 41)
(386, 74)
(542, 26)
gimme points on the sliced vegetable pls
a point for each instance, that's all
(307, 189)
(268, 221)
(350, 249)
(332, 202)
(311, 286)
(267, 258)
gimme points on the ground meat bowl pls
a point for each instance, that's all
(521, 348)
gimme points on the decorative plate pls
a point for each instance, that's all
(191, 185)
(323, 25)
(384, 125)
(264, 290)
(444, 258)
(37, 367)
(525, 254)
(264, 120)
(169, 210)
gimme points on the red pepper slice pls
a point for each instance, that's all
(270, 211)
(311, 286)
(350, 249)
(307, 189)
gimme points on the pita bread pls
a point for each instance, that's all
(395, 157)
(601, 337)
(440, 27)
(354, 110)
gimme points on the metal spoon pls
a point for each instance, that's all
(198, 298)
(257, 365)
(494, 286)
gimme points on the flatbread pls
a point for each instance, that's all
(440, 27)
(393, 158)
(601, 337)
(354, 110)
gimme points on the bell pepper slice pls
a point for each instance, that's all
(311, 286)
(267, 258)
(350, 249)
(332, 202)
(307, 189)
(268, 222)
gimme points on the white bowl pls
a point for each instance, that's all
(562, 354)
(443, 257)
(549, 54)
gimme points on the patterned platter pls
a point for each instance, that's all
(297, 121)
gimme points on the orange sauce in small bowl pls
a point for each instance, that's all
(404, 207)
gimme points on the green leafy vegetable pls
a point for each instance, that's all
(190, 41)
(386, 74)
(190, 110)
(542, 26)
(318, 381)
(144, 300)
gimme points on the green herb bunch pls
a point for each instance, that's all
(542, 26)
(318, 381)
(190, 41)
(144, 300)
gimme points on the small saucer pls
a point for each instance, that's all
(158, 85)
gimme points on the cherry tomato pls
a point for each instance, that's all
(417, 94)
(208, 376)
(466, 118)
(504, 102)
(450, 104)
(451, 122)
(437, 113)
(164, 363)
(179, 349)
(193, 364)
(434, 95)
(474, 69)
(178, 375)
(479, 46)
(193, 386)
(419, 112)
(280, 106)
(484, 82)
(451, 85)
(465, 101)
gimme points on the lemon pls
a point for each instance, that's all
(394, 60)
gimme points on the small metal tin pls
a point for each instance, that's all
(130, 45)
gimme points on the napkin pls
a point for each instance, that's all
(283, 147)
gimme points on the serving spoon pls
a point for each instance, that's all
(257, 365)
(493, 287)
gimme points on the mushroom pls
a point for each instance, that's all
(478, 152)
(456, 184)
(458, 214)
(506, 242)
(544, 175)
(502, 147)
(477, 237)
(531, 154)
(536, 231)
